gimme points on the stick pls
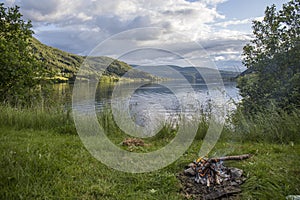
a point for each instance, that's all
(214, 160)
(239, 157)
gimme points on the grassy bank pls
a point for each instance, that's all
(40, 161)
(273, 126)
(38, 118)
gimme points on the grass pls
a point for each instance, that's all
(37, 118)
(272, 172)
(275, 126)
(47, 165)
(40, 161)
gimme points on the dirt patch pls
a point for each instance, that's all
(133, 142)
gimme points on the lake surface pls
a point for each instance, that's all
(143, 101)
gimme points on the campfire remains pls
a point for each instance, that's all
(208, 178)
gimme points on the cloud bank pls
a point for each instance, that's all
(78, 26)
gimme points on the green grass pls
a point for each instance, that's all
(273, 172)
(40, 161)
(275, 126)
(37, 118)
(47, 165)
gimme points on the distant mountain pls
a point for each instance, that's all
(246, 72)
(65, 65)
(192, 74)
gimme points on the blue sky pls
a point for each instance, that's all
(222, 27)
(246, 8)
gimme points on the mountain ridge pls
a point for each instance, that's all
(192, 74)
(65, 65)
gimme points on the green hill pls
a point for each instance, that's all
(65, 65)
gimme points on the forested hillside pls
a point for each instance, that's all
(64, 65)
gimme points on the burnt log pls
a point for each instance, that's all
(239, 157)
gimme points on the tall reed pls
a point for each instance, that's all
(37, 118)
(274, 126)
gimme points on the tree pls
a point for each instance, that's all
(21, 73)
(273, 61)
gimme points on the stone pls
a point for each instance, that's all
(235, 172)
(190, 171)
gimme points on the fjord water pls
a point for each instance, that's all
(147, 100)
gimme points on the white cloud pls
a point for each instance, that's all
(214, 2)
(259, 18)
(234, 22)
(219, 58)
(79, 25)
(178, 15)
(84, 17)
(225, 24)
(9, 2)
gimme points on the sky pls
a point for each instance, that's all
(165, 32)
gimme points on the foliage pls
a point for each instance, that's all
(272, 59)
(63, 64)
(20, 72)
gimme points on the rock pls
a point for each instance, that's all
(235, 172)
(192, 165)
(190, 171)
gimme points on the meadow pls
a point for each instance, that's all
(42, 157)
